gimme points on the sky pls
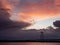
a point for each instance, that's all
(40, 13)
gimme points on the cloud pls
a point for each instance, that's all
(57, 23)
(12, 25)
(38, 8)
(6, 23)
(34, 9)
(27, 10)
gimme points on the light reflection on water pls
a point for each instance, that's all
(29, 43)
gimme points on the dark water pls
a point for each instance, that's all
(28, 43)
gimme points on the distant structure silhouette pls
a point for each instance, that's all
(41, 35)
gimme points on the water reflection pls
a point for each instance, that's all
(29, 43)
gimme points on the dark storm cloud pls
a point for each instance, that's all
(11, 25)
(57, 23)
(6, 23)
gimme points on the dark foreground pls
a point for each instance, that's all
(46, 40)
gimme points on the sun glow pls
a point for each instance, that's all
(36, 24)
(42, 23)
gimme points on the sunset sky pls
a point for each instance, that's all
(40, 13)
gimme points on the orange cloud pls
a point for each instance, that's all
(29, 10)
(6, 5)
(39, 10)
